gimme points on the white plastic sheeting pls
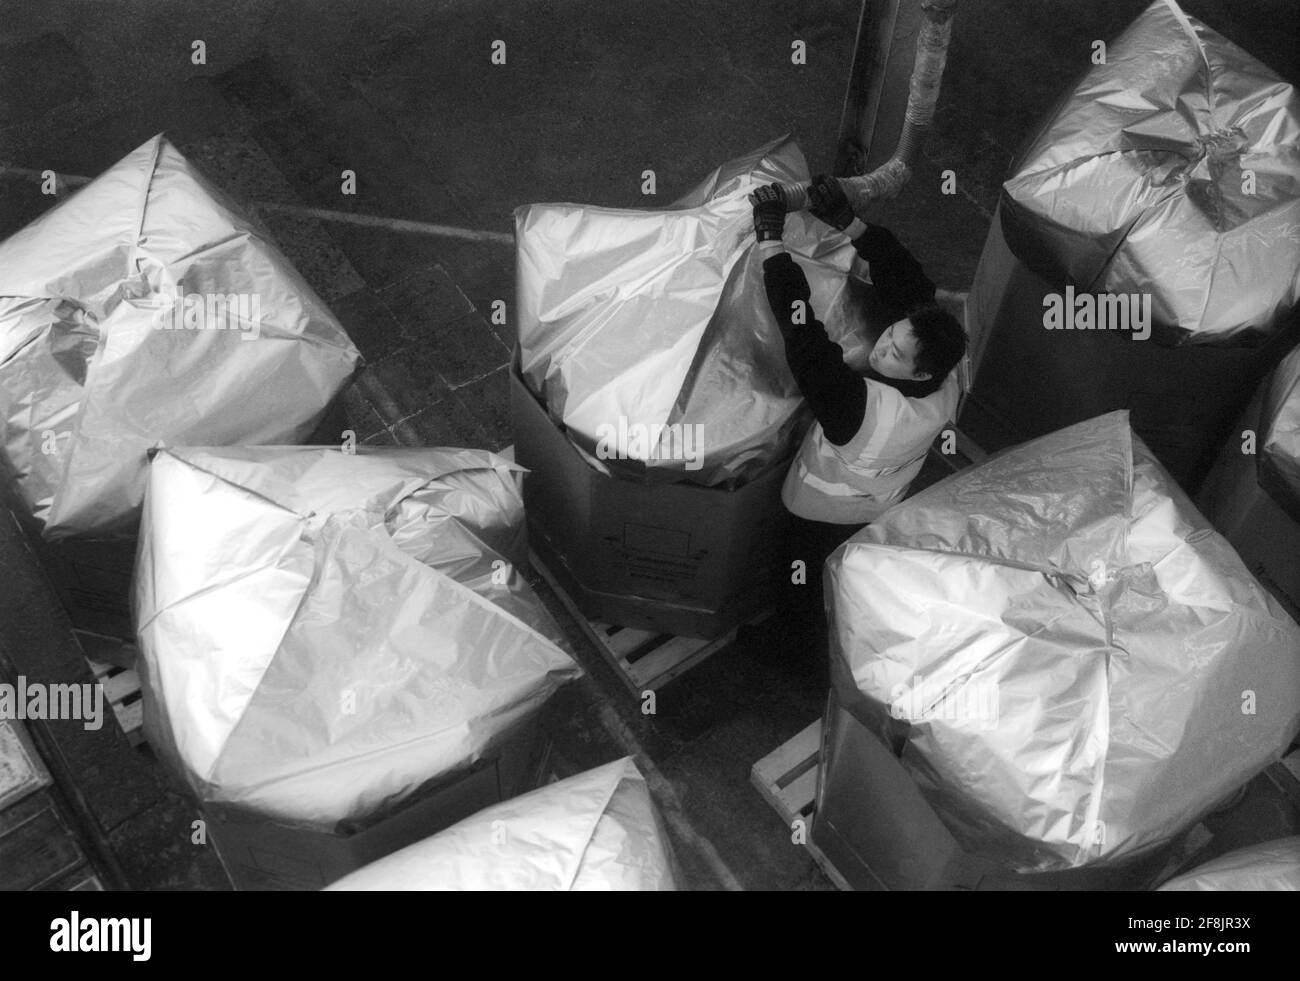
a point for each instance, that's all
(597, 831)
(321, 631)
(1079, 664)
(637, 326)
(1272, 866)
(1171, 171)
(1280, 432)
(145, 311)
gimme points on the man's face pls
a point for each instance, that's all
(894, 355)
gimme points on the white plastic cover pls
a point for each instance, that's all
(1171, 170)
(597, 831)
(321, 631)
(1273, 865)
(637, 318)
(94, 369)
(1280, 436)
(1081, 665)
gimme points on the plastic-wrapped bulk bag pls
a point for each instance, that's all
(322, 632)
(1170, 170)
(1273, 865)
(642, 328)
(1279, 452)
(1075, 664)
(597, 831)
(1144, 254)
(143, 311)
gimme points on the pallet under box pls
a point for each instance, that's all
(644, 660)
(871, 829)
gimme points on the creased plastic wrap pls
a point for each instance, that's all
(597, 831)
(321, 632)
(634, 319)
(1172, 169)
(1279, 453)
(1077, 664)
(145, 311)
(1271, 866)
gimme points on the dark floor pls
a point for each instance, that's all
(591, 95)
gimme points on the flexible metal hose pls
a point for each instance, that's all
(923, 94)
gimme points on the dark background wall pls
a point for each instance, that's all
(591, 95)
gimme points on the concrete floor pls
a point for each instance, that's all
(591, 95)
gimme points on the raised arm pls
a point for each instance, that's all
(897, 276)
(834, 392)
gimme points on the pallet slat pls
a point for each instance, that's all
(131, 718)
(118, 687)
(787, 779)
(121, 684)
(773, 767)
(624, 640)
(799, 796)
(673, 658)
(667, 657)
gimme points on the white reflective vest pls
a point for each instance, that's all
(859, 481)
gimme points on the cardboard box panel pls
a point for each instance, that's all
(671, 557)
(261, 854)
(874, 825)
(1265, 536)
(1030, 381)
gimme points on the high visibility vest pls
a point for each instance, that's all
(859, 481)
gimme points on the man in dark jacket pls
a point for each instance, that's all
(873, 429)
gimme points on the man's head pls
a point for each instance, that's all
(927, 344)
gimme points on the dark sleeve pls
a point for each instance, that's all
(897, 276)
(836, 394)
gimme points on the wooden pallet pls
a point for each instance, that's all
(644, 660)
(122, 689)
(787, 779)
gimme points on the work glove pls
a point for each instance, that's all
(769, 213)
(828, 202)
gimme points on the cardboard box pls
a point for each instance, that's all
(1030, 381)
(1265, 536)
(261, 854)
(873, 824)
(92, 578)
(675, 558)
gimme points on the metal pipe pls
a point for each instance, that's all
(923, 95)
(69, 181)
(389, 224)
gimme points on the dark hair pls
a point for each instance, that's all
(940, 339)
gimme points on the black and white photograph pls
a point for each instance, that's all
(697, 446)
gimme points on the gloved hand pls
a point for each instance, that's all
(769, 213)
(828, 202)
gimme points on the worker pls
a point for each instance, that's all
(872, 430)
